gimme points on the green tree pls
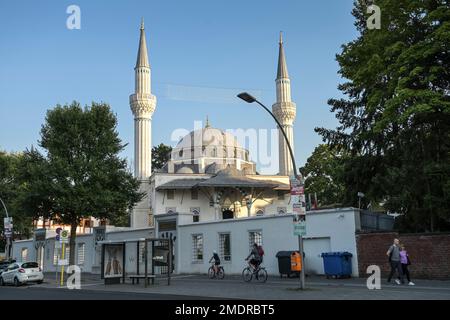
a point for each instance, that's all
(34, 197)
(395, 118)
(9, 186)
(323, 173)
(160, 155)
(86, 177)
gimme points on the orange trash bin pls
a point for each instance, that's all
(296, 261)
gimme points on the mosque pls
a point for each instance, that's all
(209, 175)
(209, 196)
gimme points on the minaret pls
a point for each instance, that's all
(142, 104)
(284, 110)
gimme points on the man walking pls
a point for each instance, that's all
(394, 259)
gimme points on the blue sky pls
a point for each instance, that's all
(202, 54)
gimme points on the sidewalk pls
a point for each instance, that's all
(275, 288)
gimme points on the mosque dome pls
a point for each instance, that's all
(209, 142)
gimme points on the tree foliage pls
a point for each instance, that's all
(395, 118)
(323, 173)
(80, 174)
(160, 156)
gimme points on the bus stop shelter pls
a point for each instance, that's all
(114, 258)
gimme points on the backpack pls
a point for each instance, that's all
(260, 251)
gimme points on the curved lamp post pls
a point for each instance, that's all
(7, 238)
(250, 99)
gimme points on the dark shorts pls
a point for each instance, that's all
(217, 263)
(255, 262)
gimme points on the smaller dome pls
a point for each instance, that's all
(185, 170)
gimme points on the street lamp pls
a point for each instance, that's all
(360, 195)
(250, 99)
(8, 239)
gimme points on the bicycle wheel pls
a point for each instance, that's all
(247, 274)
(261, 275)
(211, 273)
(221, 273)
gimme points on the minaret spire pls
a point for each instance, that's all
(284, 110)
(282, 71)
(142, 104)
(142, 57)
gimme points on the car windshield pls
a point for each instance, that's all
(28, 265)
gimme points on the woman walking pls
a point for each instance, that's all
(404, 259)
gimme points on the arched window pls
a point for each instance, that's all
(195, 214)
(227, 214)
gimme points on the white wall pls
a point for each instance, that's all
(92, 256)
(327, 230)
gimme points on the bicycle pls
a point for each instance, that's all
(220, 274)
(260, 273)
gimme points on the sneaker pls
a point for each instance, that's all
(411, 283)
(397, 281)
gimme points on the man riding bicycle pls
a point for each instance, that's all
(216, 259)
(255, 255)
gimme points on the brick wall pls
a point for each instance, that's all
(429, 253)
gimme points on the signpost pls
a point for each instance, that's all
(299, 210)
(7, 230)
(63, 239)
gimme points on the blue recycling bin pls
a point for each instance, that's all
(337, 264)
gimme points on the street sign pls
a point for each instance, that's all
(64, 236)
(299, 225)
(297, 208)
(8, 232)
(7, 223)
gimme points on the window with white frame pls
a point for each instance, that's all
(195, 214)
(197, 248)
(225, 246)
(24, 254)
(55, 255)
(81, 253)
(141, 252)
(254, 236)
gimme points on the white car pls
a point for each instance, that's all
(22, 272)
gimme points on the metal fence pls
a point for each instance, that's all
(376, 221)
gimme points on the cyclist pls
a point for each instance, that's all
(216, 259)
(255, 260)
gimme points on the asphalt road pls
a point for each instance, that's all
(33, 292)
(199, 287)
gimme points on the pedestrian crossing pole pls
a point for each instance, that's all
(64, 237)
(62, 267)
